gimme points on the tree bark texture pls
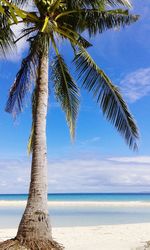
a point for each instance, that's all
(34, 232)
(35, 221)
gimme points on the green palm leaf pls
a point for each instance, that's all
(34, 105)
(69, 20)
(6, 35)
(96, 3)
(22, 84)
(115, 3)
(66, 91)
(24, 78)
(2, 10)
(107, 96)
(74, 36)
(72, 4)
(20, 2)
(96, 21)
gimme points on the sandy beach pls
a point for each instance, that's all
(108, 237)
(4, 203)
(94, 225)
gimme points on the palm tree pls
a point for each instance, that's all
(47, 22)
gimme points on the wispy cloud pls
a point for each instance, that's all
(16, 54)
(88, 174)
(137, 159)
(21, 45)
(136, 84)
(99, 175)
(93, 140)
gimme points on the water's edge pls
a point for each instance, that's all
(67, 210)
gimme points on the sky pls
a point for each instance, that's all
(98, 160)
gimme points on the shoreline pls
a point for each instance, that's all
(106, 237)
(6, 203)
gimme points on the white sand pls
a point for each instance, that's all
(4, 203)
(109, 237)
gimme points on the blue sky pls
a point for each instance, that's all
(99, 160)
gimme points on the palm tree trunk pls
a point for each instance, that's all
(35, 229)
(35, 222)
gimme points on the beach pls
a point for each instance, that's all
(87, 222)
(106, 237)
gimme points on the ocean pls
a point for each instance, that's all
(83, 197)
(81, 209)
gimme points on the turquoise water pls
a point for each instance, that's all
(82, 215)
(84, 197)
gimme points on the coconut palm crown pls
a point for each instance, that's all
(48, 22)
(67, 20)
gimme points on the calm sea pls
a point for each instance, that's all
(84, 197)
(84, 215)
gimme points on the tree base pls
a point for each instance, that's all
(147, 246)
(14, 244)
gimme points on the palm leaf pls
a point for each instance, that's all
(26, 75)
(107, 96)
(22, 84)
(6, 35)
(67, 32)
(12, 8)
(19, 2)
(66, 91)
(84, 42)
(72, 4)
(2, 10)
(115, 3)
(96, 21)
(34, 105)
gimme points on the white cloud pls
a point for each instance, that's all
(88, 174)
(99, 175)
(90, 141)
(15, 53)
(21, 44)
(136, 84)
(138, 159)
(14, 175)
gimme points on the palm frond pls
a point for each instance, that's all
(2, 10)
(22, 84)
(84, 42)
(115, 3)
(19, 2)
(26, 75)
(66, 91)
(96, 21)
(72, 4)
(67, 32)
(6, 35)
(77, 4)
(12, 7)
(34, 105)
(107, 96)
(25, 32)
